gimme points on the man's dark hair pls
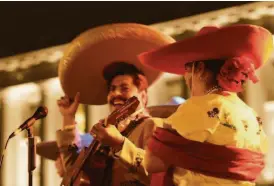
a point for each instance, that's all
(122, 68)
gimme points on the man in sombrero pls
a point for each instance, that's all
(215, 138)
(100, 66)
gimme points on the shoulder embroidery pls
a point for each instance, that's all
(214, 114)
(245, 125)
(259, 120)
(136, 164)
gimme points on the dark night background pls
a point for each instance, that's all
(27, 26)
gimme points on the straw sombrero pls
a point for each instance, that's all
(81, 68)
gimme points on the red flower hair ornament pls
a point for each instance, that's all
(235, 72)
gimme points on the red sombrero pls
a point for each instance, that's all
(81, 68)
(249, 41)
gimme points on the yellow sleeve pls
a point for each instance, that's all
(193, 120)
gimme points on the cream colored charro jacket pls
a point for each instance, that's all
(128, 169)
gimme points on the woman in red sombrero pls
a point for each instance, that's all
(214, 137)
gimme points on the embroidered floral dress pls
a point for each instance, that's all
(220, 120)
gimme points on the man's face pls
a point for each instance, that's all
(121, 89)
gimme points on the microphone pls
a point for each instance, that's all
(40, 113)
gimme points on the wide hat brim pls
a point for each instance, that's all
(162, 111)
(250, 41)
(48, 149)
(81, 68)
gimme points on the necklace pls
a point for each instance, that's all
(213, 89)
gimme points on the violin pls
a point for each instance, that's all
(96, 153)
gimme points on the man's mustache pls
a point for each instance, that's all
(117, 98)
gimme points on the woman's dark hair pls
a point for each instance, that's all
(213, 65)
(123, 68)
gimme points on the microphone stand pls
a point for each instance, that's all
(31, 155)
(40, 113)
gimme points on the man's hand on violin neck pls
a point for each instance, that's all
(107, 135)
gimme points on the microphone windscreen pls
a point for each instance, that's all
(40, 113)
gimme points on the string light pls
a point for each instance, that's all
(27, 60)
(219, 18)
